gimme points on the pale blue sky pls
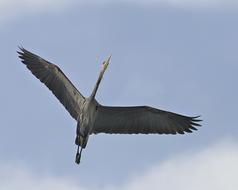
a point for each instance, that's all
(180, 59)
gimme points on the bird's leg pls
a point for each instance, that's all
(77, 139)
(78, 155)
(77, 142)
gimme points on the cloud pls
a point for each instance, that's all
(12, 9)
(13, 177)
(187, 3)
(215, 167)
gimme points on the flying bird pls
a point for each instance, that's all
(93, 118)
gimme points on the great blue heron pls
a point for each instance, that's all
(93, 118)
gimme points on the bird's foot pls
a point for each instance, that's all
(77, 158)
(78, 155)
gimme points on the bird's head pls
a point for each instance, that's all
(105, 64)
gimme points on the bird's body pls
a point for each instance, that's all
(86, 119)
(94, 118)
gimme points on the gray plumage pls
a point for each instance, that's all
(94, 118)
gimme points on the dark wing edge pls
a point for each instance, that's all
(53, 77)
(142, 120)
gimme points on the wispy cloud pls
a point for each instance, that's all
(13, 177)
(11, 9)
(187, 3)
(212, 168)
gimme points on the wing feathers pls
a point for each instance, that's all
(52, 76)
(142, 119)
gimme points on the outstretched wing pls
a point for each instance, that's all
(142, 119)
(52, 76)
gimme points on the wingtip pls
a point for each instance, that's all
(196, 118)
(21, 47)
(20, 50)
(194, 123)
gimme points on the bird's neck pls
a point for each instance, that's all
(96, 85)
(103, 68)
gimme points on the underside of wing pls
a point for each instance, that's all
(52, 76)
(142, 120)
